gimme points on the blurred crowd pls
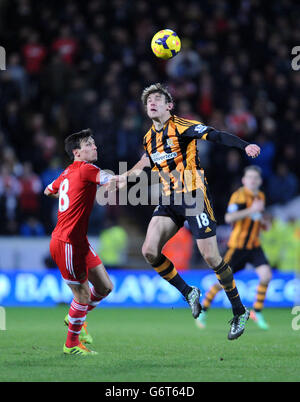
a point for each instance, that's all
(73, 65)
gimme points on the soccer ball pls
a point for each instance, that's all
(165, 44)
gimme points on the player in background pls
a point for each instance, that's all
(245, 212)
(77, 261)
(171, 150)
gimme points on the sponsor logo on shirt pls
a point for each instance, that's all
(159, 157)
(200, 128)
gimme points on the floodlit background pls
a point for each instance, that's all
(73, 64)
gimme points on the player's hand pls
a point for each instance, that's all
(117, 182)
(252, 150)
(257, 206)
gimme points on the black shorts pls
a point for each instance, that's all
(200, 217)
(238, 258)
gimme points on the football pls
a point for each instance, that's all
(165, 44)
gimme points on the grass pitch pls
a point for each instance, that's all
(147, 345)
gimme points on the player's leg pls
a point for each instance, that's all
(76, 319)
(211, 293)
(160, 230)
(265, 275)
(203, 226)
(102, 285)
(237, 260)
(208, 248)
(216, 287)
(81, 292)
(208, 299)
(70, 262)
(259, 260)
(210, 252)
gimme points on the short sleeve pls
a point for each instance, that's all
(54, 186)
(105, 177)
(237, 202)
(89, 173)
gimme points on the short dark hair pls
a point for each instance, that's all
(73, 141)
(256, 168)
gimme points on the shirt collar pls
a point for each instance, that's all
(164, 126)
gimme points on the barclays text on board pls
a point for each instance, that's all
(140, 289)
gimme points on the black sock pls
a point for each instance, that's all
(225, 277)
(166, 270)
(181, 285)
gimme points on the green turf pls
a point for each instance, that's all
(148, 345)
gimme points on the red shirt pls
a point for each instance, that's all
(66, 48)
(77, 186)
(34, 55)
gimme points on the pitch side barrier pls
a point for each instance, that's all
(140, 288)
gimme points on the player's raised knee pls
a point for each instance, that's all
(265, 274)
(82, 295)
(150, 255)
(211, 258)
(108, 289)
(82, 298)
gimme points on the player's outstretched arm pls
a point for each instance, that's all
(203, 132)
(120, 181)
(230, 140)
(138, 167)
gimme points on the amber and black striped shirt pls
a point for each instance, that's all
(245, 233)
(173, 152)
